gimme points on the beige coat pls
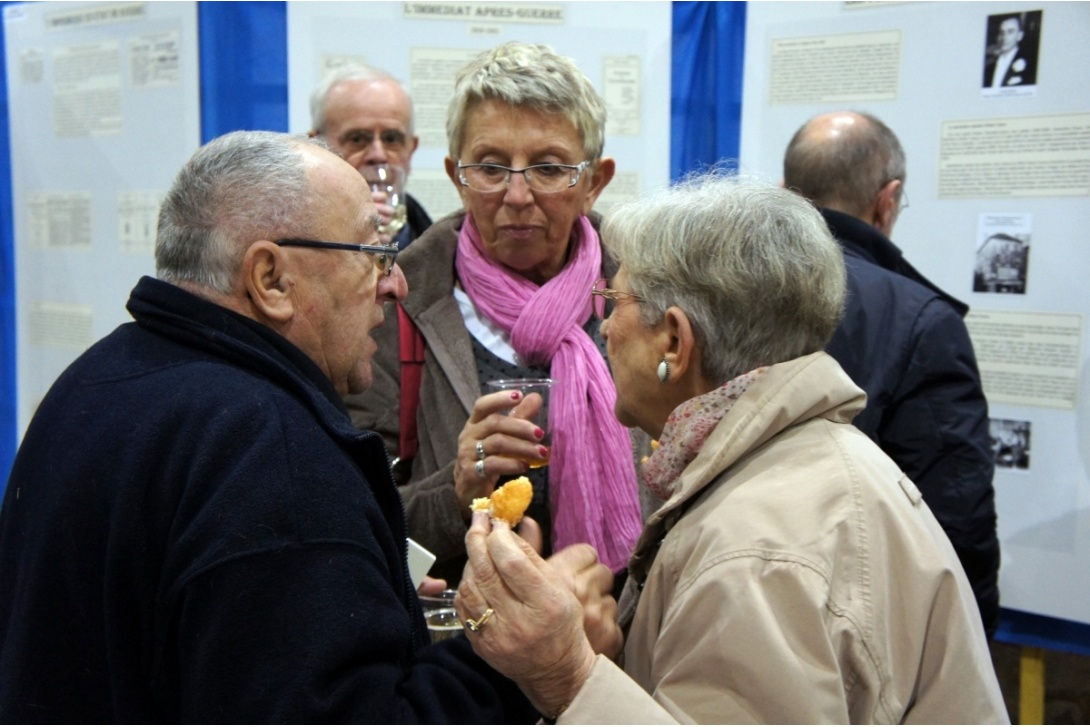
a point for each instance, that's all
(796, 576)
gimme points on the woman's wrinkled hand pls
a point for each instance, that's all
(505, 440)
(592, 583)
(535, 632)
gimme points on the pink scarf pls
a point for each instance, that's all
(592, 479)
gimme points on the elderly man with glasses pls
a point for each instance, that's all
(366, 116)
(193, 530)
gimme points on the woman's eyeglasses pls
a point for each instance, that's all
(606, 299)
(383, 255)
(547, 178)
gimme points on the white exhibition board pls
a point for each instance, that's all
(622, 47)
(104, 108)
(984, 166)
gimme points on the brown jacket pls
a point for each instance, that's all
(447, 393)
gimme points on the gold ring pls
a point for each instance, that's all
(477, 625)
(480, 451)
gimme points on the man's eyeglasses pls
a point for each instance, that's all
(546, 178)
(902, 203)
(383, 255)
(606, 299)
(391, 140)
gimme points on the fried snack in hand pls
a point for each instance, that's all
(509, 502)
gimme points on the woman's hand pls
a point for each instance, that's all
(506, 441)
(534, 631)
(592, 583)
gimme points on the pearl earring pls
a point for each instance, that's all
(664, 370)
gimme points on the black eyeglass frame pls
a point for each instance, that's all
(385, 255)
(601, 296)
(578, 170)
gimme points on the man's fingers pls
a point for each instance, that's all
(431, 586)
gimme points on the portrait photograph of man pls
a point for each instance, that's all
(1011, 47)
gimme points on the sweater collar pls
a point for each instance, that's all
(180, 315)
(864, 241)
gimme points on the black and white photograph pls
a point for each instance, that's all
(1010, 443)
(1011, 49)
(1002, 254)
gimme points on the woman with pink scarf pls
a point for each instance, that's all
(501, 291)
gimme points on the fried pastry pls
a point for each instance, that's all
(509, 502)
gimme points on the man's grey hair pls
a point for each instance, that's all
(344, 74)
(236, 189)
(846, 172)
(752, 265)
(528, 76)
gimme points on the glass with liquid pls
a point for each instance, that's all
(440, 616)
(541, 387)
(389, 179)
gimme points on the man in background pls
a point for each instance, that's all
(902, 339)
(367, 116)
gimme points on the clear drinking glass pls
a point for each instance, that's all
(390, 180)
(440, 616)
(541, 387)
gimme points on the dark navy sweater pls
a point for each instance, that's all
(193, 531)
(903, 341)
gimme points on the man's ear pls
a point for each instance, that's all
(886, 207)
(268, 281)
(601, 176)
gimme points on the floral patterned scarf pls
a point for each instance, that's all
(686, 430)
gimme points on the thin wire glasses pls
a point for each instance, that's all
(383, 255)
(606, 299)
(392, 140)
(546, 178)
(902, 202)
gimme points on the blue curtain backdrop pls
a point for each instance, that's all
(8, 412)
(709, 40)
(244, 67)
(244, 85)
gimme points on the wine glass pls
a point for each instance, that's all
(389, 181)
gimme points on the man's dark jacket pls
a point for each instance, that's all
(1025, 77)
(193, 531)
(903, 340)
(417, 222)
